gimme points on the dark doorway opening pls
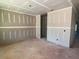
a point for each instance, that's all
(77, 32)
(76, 39)
(43, 24)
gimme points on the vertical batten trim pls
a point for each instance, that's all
(31, 33)
(3, 35)
(9, 17)
(64, 18)
(19, 33)
(19, 19)
(27, 34)
(2, 18)
(30, 20)
(15, 33)
(23, 20)
(27, 20)
(10, 35)
(14, 18)
(24, 33)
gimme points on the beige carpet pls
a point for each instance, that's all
(37, 49)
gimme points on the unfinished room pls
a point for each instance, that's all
(39, 29)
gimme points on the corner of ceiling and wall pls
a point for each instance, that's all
(33, 7)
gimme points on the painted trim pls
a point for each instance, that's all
(60, 27)
(14, 18)
(23, 19)
(9, 17)
(2, 17)
(3, 35)
(15, 33)
(24, 33)
(19, 27)
(56, 27)
(19, 19)
(10, 37)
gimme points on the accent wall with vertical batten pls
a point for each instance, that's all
(15, 26)
(61, 27)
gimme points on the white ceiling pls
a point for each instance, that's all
(37, 6)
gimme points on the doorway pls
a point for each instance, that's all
(77, 32)
(43, 24)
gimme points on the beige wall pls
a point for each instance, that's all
(9, 18)
(58, 18)
(16, 26)
(58, 21)
(38, 26)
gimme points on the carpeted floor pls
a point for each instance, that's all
(37, 49)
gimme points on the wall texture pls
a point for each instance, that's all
(59, 26)
(38, 26)
(15, 26)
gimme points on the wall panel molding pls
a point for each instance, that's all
(18, 27)
(15, 27)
